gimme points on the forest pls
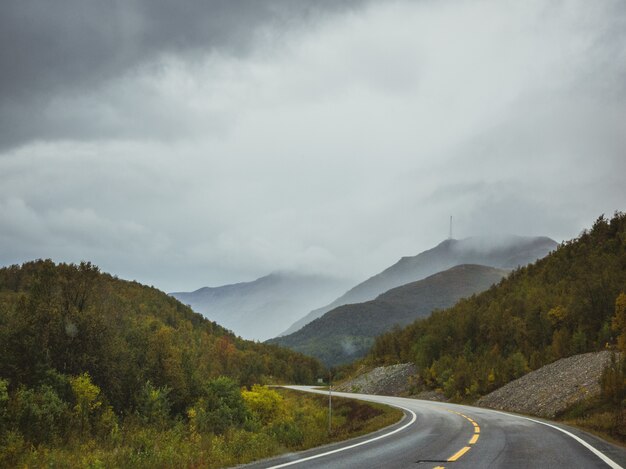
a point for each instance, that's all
(564, 304)
(101, 372)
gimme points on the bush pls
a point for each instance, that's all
(40, 415)
(265, 404)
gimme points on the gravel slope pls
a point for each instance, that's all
(553, 388)
(391, 380)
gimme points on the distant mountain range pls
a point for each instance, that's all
(347, 332)
(504, 252)
(262, 308)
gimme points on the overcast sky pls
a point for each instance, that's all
(194, 143)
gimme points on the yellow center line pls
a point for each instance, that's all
(472, 440)
(458, 454)
(439, 467)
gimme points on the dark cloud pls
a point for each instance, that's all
(72, 47)
(210, 143)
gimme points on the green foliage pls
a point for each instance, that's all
(219, 409)
(570, 302)
(618, 322)
(224, 404)
(264, 404)
(4, 404)
(91, 360)
(302, 423)
(613, 382)
(40, 415)
(153, 406)
(87, 402)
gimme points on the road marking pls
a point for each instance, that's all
(612, 464)
(439, 467)
(458, 454)
(379, 437)
(472, 440)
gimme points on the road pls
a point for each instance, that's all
(442, 435)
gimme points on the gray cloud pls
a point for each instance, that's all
(75, 47)
(185, 149)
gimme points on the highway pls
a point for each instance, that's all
(442, 435)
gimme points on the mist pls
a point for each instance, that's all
(223, 143)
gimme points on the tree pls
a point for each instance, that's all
(154, 405)
(221, 407)
(619, 321)
(86, 401)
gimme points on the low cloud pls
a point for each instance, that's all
(325, 139)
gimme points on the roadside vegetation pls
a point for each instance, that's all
(233, 426)
(100, 372)
(606, 414)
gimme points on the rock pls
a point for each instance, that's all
(553, 388)
(391, 380)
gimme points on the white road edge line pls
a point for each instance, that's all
(612, 464)
(379, 437)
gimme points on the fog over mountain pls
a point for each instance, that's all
(504, 252)
(261, 309)
(208, 142)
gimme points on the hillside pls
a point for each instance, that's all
(564, 304)
(505, 252)
(58, 321)
(347, 332)
(101, 372)
(263, 308)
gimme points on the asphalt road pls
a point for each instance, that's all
(441, 435)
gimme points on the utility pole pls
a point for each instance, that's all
(330, 403)
(450, 234)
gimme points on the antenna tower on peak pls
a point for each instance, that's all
(450, 234)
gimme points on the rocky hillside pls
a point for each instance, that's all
(551, 389)
(393, 380)
(503, 252)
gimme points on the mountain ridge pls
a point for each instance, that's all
(259, 309)
(347, 332)
(506, 252)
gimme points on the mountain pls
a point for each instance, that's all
(570, 302)
(503, 252)
(348, 331)
(262, 308)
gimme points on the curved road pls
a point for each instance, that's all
(442, 435)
